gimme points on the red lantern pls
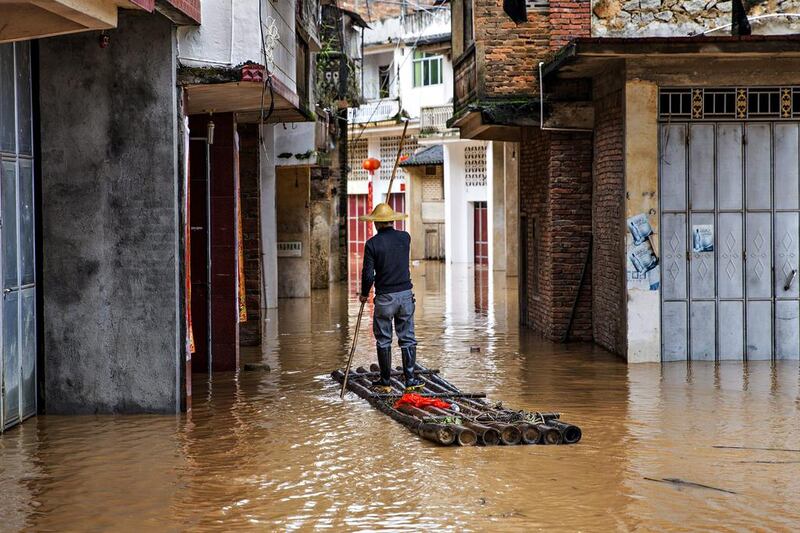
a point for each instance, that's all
(371, 165)
(403, 158)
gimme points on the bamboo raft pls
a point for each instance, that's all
(471, 420)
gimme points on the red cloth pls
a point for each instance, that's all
(420, 401)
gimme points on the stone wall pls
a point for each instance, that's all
(608, 197)
(663, 18)
(113, 339)
(556, 194)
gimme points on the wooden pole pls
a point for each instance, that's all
(396, 161)
(352, 351)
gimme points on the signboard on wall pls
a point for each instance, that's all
(290, 249)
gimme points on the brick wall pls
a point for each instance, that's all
(556, 193)
(250, 331)
(608, 269)
(373, 11)
(534, 151)
(569, 19)
(512, 51)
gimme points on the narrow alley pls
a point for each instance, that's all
(279, 450)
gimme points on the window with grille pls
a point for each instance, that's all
(475, 166)
(729, 103)
(357, 152)
(427, 69)
(388, 151)
(384, 80)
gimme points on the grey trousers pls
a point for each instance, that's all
(397, 307)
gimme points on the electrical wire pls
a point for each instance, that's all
(396, 72)
(753, 19)
(267, 82)
(389, 83)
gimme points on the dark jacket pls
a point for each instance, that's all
(386, 257)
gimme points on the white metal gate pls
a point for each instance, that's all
(17, 272)
(730, 208)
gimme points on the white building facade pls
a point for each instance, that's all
(408, 76)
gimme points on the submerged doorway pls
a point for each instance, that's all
(17, 263)
(730, 208)
(481, 234)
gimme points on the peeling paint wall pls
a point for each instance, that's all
(641, 197)
(664, 18)
(292, 201)
(511, 157)
(230, 36)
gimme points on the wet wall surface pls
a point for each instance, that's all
(281, 451)
(109, 223)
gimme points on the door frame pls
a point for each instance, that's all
(747, 213)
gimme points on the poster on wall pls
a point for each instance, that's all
(640, 228)
(643, 258)
(702, 238)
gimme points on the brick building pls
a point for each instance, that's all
(658, 168)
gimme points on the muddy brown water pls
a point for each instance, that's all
(280, 451)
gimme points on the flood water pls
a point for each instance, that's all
(281, 451)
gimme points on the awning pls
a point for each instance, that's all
(431, 155)
(240, 91)
(439, 43)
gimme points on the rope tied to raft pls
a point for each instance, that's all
(510, 417)
(444, 420)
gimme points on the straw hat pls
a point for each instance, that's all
(382, 213)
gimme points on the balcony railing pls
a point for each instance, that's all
(374, 112)
(433, 121)
(465, 79)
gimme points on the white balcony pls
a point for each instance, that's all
(379, 111)
(433, 121)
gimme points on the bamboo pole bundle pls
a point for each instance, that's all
(468, 421)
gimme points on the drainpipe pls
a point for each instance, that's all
(541, 107)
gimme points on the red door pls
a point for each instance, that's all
(358, 232)
(481, 233)
(397, 201)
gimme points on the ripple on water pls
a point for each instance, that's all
(281, 451)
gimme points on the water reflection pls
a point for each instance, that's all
(279, 450)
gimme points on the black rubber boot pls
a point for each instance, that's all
(409, 362)
(385, 362)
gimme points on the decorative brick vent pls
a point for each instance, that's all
(475, 166)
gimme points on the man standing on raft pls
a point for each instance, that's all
(386, 264)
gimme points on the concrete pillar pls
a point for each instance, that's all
(269, 239)
(511, 182)
(497, 206)
(414, 209)
(292, 202)
(111, 222)
(641, 196)
(458, 213)
(321, 219)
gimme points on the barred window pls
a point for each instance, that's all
(729, 103)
